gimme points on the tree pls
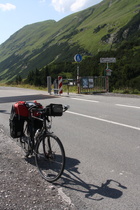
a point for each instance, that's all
(18, 79)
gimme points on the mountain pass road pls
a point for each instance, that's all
(101, 137)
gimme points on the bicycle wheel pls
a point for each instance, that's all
(25, 140)
(50, 157)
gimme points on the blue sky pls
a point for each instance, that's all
(15, 14)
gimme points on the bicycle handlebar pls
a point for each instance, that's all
(65, 108)
(35, 108)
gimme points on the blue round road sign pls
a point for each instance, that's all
(78, 58)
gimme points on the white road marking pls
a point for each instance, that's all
(79, 99)
(103, 120)
(136, 107)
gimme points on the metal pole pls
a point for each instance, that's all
(49, 84)
(68, 89)
(78, 82)
(107, 66)
(107, 79)
(107, 83)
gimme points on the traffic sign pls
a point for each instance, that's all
(108, 72)
(107, 60)
(78, 58)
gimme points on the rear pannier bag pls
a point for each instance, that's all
(21, 109)
(19, 113)
(54, 110)
(16, 124)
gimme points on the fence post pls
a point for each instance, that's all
(49, 83)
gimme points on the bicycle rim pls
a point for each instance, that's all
(23, 140)
(50, 157)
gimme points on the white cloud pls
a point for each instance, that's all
(61, 5)
(77, 5)
(42, 1)
(72, 5)
(7, 7)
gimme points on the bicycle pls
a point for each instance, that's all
(38, 140)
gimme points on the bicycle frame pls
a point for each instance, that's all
(43, 130)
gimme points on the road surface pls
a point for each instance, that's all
(101, 137)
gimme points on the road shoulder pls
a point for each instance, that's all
(21, 184)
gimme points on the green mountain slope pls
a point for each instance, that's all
(99, 28)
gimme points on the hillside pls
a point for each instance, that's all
(99, 28)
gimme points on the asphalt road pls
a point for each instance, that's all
(101, 137)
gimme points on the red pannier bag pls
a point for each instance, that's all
(20, 113)
(16, 123)
(21, 109)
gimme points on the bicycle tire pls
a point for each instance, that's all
(50, 157)
(24, 140)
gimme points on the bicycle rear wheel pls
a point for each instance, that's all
(50, 157)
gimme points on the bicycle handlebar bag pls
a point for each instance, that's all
(54, 110)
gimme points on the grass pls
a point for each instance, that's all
(24, 86)
(74, 89)
(127, 91)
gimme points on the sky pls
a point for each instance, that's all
(15, 14)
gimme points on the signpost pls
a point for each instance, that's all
(78, 58)
(107, 60)
(107, 71)
(87, 82)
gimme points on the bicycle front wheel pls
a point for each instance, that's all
(50, 157)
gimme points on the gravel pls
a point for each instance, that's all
(21, 186)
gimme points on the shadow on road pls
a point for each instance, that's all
(25, 98)
(3, 111)
(71, 180)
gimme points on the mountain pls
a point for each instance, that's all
(102, 27)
